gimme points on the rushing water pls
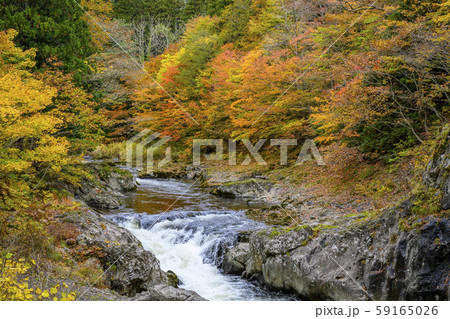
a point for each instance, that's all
(188, 230)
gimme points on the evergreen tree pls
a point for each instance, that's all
(195, 8)
(54, 27)
(159, 10)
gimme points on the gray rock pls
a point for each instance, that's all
(255, 189)
(129, 268)
(97, 197)
(195, 172)
(104, 189)
(168, 293)
(236, 258)
(85, 293)
(436, 174)
(375, 260)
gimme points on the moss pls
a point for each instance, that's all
(321, 227)
(122, 172)
(363, 214)
(276, 233)
(404, 225)
(300, 227)
(393, 238)
(441, 143)
(204, 183)
(362, 221)
(272, 216)
(280, 231)
(427, 201)
(172, 279)
(108, 169)
(92, 275)
(307, 240)
(245, 182)
(54, 256)
(367, 173)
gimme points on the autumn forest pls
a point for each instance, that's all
(367, 81)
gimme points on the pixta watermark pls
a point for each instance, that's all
(141, 150)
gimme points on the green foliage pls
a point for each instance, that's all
(113, 151)
(47, 123)
(81, 123)
(383, 138)
(174, 11)
(28, 147)
(200, 43)
(169, 11)
(53, 27)
(195, 8)
(234, 20)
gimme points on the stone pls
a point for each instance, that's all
(247, 189)
(374, 259)
(359, 263)
(236, 258)
(129, 268)
(105, 189)
(168, 293)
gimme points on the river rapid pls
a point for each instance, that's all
(189, 230)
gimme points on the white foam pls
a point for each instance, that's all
(182, 252)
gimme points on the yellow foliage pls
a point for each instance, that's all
(15, 286)
(100, 11)
(27, 144)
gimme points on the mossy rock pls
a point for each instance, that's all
(172, 279)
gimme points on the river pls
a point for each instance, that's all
(188, 230)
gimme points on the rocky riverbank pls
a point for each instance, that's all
(399, 254)
(402, 253)
(131, 272)
(103, 186)
(362, 260)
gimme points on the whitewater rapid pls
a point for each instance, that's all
(189, 232)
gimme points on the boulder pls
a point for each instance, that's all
(129, 268)
(375, 258)
(107, 185)
(254, 189)
(236, 258)
(168, 293)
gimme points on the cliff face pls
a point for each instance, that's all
(371, 258)
(437, 173)
(373, 261)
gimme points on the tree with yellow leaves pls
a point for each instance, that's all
(28, 148)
